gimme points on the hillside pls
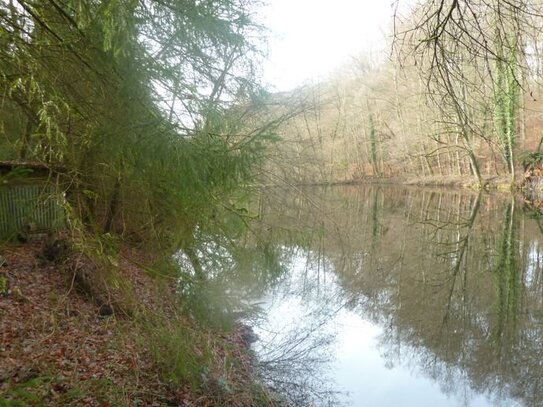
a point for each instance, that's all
(128, 345)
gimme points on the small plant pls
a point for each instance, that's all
(532, 159)
(4, 286)
(28, 393)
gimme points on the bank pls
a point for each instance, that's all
(81, 326)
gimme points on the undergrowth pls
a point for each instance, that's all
(57, 390)
(158, 350)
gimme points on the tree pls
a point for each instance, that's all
(467, 48)
(135, 103)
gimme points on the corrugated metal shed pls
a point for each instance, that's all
(30, 205)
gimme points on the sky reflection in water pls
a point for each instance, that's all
(411, 299)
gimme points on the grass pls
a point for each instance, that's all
(48, 390)
(180, 352)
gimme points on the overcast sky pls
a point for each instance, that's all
(310, 38)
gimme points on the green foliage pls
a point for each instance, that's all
(3, 285)
(16, 175)
(181, 353)
(30, 392)
(232, 270)
(145, 109)
(38, 391)
(507, 93)
(508, 280)
(11, 403)
(148, 115)
(531, 159)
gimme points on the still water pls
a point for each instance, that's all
(388, 296)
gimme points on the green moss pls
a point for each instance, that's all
(3, 285)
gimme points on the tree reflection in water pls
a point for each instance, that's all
(296, 337)
(453, 278)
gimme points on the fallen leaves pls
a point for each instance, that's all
(48, 333)
(56, 349)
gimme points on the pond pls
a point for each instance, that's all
(400, 296)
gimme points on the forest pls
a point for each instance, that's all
(453, 99)
(162, 102)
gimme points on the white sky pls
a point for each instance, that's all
(310, 38)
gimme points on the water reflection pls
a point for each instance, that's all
(221, 278)
(445, 288)
(294, 346)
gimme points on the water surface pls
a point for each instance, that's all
(402, 296)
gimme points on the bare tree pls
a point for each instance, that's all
(472, 56)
